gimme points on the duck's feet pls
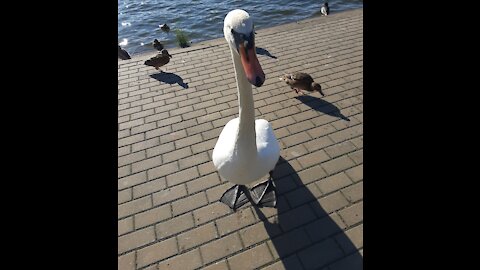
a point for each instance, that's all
(235, 197)
(264, 194)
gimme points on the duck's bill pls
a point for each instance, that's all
(251, 66)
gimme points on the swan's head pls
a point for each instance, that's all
(240, 35)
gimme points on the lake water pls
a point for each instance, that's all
(138, 21)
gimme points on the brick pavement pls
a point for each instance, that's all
(169, 216)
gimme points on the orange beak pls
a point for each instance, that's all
(251, 66)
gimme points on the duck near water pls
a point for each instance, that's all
(122, 54)
(164, 27)
(246, 149)
(325, 9)
(299, 81)
(159, 60)
(157, 45)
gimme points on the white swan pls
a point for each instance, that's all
(246, 149)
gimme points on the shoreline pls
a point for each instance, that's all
(213, 42)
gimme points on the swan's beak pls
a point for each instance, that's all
(251, 66)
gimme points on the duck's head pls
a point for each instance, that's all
(165, 53)
(316, 86)
(240, 35)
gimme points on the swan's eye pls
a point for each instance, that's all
(249, 40)
(237, 37)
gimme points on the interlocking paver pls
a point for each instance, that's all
(169, 214)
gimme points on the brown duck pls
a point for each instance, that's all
(159, 60)
(122, 54)
(157, 45)
(165, 27)
(299, 81)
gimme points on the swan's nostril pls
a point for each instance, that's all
(258, 81)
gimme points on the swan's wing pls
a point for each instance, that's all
(267, 144)
(225, 143)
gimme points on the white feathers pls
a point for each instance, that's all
(243, 170)
(246, 150)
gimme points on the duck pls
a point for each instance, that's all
(164, 27)
(299, 81)
(159, 60)
(157, 45)
(122, 54)
(246, 149)
(325, 9)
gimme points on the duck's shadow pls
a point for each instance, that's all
(170, 78)
(321, 105)
(304, 233)
(265, 52)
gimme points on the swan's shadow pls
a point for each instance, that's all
(304, 233)
(170, 78)
(321, 105)
(265, 52)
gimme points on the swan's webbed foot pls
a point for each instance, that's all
(264, 194)
(235, 197)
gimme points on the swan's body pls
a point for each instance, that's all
(246, 149)
(242, 168)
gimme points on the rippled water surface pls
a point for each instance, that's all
(138, 21)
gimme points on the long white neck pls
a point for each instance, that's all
(245, 145)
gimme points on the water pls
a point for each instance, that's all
(139, 20)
